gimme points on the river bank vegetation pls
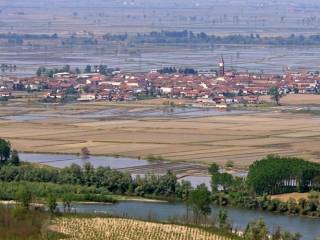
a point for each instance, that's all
(76, 183)
(83, 183)
(271, 175)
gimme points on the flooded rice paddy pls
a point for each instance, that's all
(272, 59)
(120, 113)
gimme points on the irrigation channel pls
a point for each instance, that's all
(308, 227)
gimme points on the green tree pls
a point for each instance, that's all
(5, 150)
(223, 220)
(65, 68)
(276, 94)
(223, 180)
(214, 168)
(103, 69)
(67, 201)
(15, 159)
(256, 230)
(280, 234)
(88, 69)
(183, 189)
(200, 202)
(24, 196)
(166, 185)
(52, 203)
(41, 70)
(77, 71)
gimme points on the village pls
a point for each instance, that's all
(219, 88)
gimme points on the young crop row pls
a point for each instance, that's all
(121, 229)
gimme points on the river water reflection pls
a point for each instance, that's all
(308, 227)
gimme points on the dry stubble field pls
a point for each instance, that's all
(241, 138)
(113, 228)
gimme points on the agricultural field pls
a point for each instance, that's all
(297, 100)
(212, 17)
(115, 228)
(135, 131)
(224, 17)
(270, 59)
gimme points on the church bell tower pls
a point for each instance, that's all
(221, 67)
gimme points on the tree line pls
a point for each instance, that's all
(171, 70)
(174, 37)
(186, 36)
(274, 175)
(113, 181)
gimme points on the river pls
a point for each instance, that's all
(309, 228)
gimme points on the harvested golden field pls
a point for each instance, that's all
(242, 138)
(120, 229)
(287, 196)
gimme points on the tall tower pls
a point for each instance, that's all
(221, 67)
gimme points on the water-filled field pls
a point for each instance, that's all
(272, 59)
(67, 18)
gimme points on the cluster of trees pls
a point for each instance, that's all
(271, 175)
(112, 181)
(276, 94)
(15, 38)
(8, 67)
(66, 193)
(79, 40)
(28, 36)
(49, 72)
(7, 154)
(102, 69)
(259, 230)
(245, 199)
(275, 174)
(115, 37)
(170, 70)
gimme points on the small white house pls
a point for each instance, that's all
(165, 90)
(87, 97)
